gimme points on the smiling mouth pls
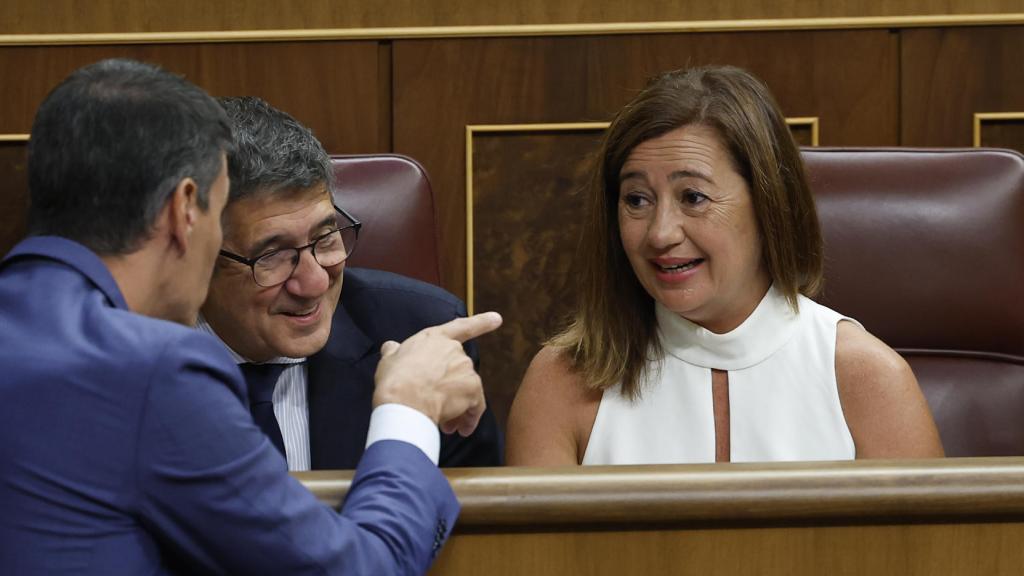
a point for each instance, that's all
(303, 313)
(680, 267)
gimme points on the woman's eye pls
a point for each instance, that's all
(634, 200)
(694, 198)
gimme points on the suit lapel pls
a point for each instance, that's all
(340, 390)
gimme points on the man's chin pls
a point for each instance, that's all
(302, 347)
(302, 336)
(300, 342)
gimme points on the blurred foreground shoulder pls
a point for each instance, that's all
(885, 410)
(552, 414)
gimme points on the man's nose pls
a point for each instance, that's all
(309, 279)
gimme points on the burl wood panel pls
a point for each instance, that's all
(526, 230)
(846, 78)
(950, 74)
(13, 194)
(331, 87)
(803, 134)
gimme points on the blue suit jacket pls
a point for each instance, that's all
(375, 307)
(128, 449)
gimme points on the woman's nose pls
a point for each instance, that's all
(665, 229)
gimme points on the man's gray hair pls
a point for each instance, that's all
(273, 152)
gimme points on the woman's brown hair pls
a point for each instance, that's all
(613, 332)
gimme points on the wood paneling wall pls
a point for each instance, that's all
(13, 194)
(949, 74)
(333, 87)
(76, 17)
(836, 549)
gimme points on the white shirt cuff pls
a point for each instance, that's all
(400, 422)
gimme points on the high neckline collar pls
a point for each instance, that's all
(768, 328)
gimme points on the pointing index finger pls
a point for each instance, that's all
(463, 329)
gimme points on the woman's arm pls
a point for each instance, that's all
(887, 414)
(552, 415)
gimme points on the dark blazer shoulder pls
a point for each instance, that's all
(377, 306)
(390, 306)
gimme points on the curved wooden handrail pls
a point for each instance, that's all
(907, 490)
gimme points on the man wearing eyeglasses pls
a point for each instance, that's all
(308, 348)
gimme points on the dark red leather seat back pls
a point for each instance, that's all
(926, 249)
(391, 196)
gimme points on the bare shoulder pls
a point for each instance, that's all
(885, 410)
(862, 356)
(550, 413)
(552, 362)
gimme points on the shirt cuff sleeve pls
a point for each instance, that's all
(400, 422)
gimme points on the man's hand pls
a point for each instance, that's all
(430, 372)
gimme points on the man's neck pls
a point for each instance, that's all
(203, 326)
(145, 278)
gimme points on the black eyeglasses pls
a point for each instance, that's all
(329, 249)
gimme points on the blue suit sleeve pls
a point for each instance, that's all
(218, 497)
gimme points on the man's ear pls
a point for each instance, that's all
(183, 211)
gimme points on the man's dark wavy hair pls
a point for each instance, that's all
(109, 145)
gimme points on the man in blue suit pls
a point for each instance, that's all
(128, 447)
(320, 394)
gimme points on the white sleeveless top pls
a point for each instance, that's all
(783, 399)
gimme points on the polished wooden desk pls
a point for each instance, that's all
(924, 517)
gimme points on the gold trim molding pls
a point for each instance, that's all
(980, 117)
(414, 32)
(14, 137)
(802, 121)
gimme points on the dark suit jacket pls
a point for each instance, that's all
(128, 449)
(375, 307)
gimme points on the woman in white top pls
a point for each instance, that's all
(694, 339)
